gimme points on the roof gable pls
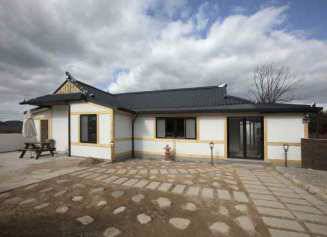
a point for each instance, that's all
(67, 88)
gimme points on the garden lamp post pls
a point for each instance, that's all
(285, 146)
(211, 145)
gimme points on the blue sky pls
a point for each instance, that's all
(135, 45)
(309, 16)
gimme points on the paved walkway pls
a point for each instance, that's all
(286, 209)
(315, 181)
(140, 197)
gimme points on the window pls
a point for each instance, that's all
(176, 128)
(88, 128)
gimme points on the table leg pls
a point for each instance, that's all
(24, 151)
(38, 153)
(22, 154)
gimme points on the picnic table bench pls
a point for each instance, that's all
(38, 148)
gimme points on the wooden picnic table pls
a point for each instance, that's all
(38, 148)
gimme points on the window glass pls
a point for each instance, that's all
(190, 128)
(180, 129)
(170, 127)
(176, 127)
(88, 128)
(161, 128)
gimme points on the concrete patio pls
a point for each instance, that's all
(143, 198)
(15, 172)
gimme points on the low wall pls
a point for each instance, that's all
(314, 153)
(11, 142)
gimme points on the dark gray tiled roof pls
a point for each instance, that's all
(238, 108)
(199, 99)
(53, 99)
(178, 98)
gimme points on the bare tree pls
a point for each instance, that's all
(273, 84)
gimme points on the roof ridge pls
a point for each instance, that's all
(164, 90)
(240, 98)
(93, 87)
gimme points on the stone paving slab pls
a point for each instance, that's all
(294, 201)
(179, 189)
(164, 187)
(268, 197)
(110, 179)
(130, 182)
(120, 180)
(302, 208)
(316, 228)
(311, 217)
(286, 194)
(141, 183)
(284, 233)
(267, 203)
(101, 177)
(223, 194)
(282, 223)
(193, 191)
(153, 185)
(240, 197)
(207, 193)
(267, 211)
(258, 191)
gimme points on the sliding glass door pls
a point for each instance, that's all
(245, 137)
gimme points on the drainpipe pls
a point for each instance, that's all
(133, 122)
(317, 124)
(69, 135)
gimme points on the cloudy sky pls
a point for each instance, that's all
(143, 45)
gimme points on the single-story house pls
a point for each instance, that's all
(88, 122)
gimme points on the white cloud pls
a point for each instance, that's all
(39, 40)
(229, 53)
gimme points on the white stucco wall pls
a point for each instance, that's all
(123, 125)
(60, 127)
(277, 153)
(152, 146)
(105, 128)
(284, 129)
(201, 149)
(38, 116)
(42, 114)
(123, 146)
(93, 152)
(87, 108)
(145, 126)
(210, 128)
(100, 150)
(74, 128)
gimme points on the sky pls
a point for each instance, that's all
(121, 46)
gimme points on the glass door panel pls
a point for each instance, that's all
(245, 137)
(254, 138)
(235, 131)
